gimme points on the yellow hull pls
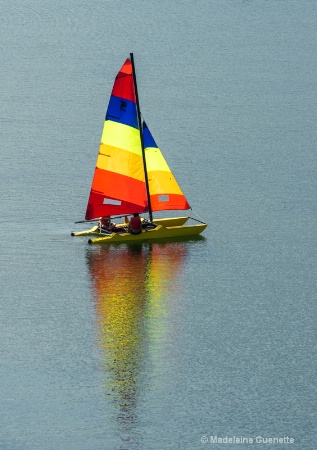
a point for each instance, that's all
(160, 232)
(94, 231)
(167, 222)
(171, 221)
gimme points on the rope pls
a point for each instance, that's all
(201, 221)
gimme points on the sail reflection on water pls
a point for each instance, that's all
(131, 288)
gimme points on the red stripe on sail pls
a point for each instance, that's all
(96, 208)
(124, 85)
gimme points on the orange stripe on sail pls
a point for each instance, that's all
(127, 67)
(115, 186)
(166, 202)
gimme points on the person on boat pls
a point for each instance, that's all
(135, 224)
(105, 224)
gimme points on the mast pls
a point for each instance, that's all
(141, 138)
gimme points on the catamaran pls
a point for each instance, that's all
(132, 175)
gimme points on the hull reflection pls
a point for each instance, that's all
(131, 287)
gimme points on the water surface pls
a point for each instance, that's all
(158, 345)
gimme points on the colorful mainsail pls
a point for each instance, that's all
(119, 182)
(118, 185)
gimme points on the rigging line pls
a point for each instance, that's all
(201, 221)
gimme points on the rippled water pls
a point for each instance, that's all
(160, 346)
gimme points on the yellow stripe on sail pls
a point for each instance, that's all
(163, 182)
(120, 161)
(155, 160)
(121, 136)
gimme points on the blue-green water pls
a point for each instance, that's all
(160, 346)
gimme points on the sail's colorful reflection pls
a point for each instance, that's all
(131, 287)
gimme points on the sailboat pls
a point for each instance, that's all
(132, 175)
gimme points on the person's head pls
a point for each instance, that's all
(135, 214)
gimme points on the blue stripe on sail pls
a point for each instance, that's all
(122, 111)
(148, 140)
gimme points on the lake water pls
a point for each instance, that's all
(160, 346)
